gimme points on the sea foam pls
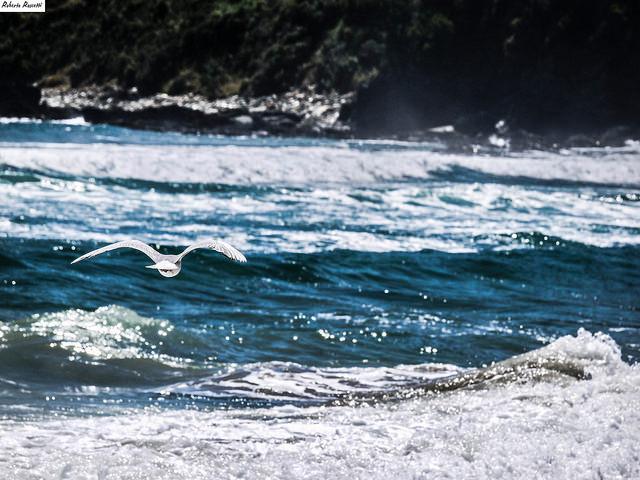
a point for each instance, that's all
(235, 164)
(550, 427)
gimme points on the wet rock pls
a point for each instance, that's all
(297, 112)
(17, 100)
(617, 136)
(581, 140)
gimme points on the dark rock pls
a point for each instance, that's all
(17, 100)
(617, 136)
(581, 140)
(395, 104)
(552, 68)
(297, 112)
(305, 112)
(476, 123)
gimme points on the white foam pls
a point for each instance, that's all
(556, 428)
(289, 381)
(19, 120)
(329, 197)
(77, 121)
(451, 217)
(110, 332)
(303, 165)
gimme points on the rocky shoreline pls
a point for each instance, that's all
(298, 112)
(510, 75)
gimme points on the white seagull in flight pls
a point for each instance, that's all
(168, 265)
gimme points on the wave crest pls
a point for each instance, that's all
(108, 333)
(571, 357)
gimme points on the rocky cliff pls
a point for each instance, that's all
(380, 67)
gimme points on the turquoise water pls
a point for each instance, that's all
(371, 265)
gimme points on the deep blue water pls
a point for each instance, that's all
(465, 263)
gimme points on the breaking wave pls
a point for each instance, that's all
(573, 427)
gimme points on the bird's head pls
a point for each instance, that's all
(166, 268)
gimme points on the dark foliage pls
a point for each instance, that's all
(540, 63)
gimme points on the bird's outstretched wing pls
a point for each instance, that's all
(217, 245)
(135, 244)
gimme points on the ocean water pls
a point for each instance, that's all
(404, 310)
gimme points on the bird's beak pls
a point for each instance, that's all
(150, 266)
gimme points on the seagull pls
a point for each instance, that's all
(168, 265)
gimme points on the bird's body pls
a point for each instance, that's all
(168, 268)
(168, 265)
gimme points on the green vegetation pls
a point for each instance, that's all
(569, 60)
(215, 48)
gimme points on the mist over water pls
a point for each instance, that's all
(373, 268)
